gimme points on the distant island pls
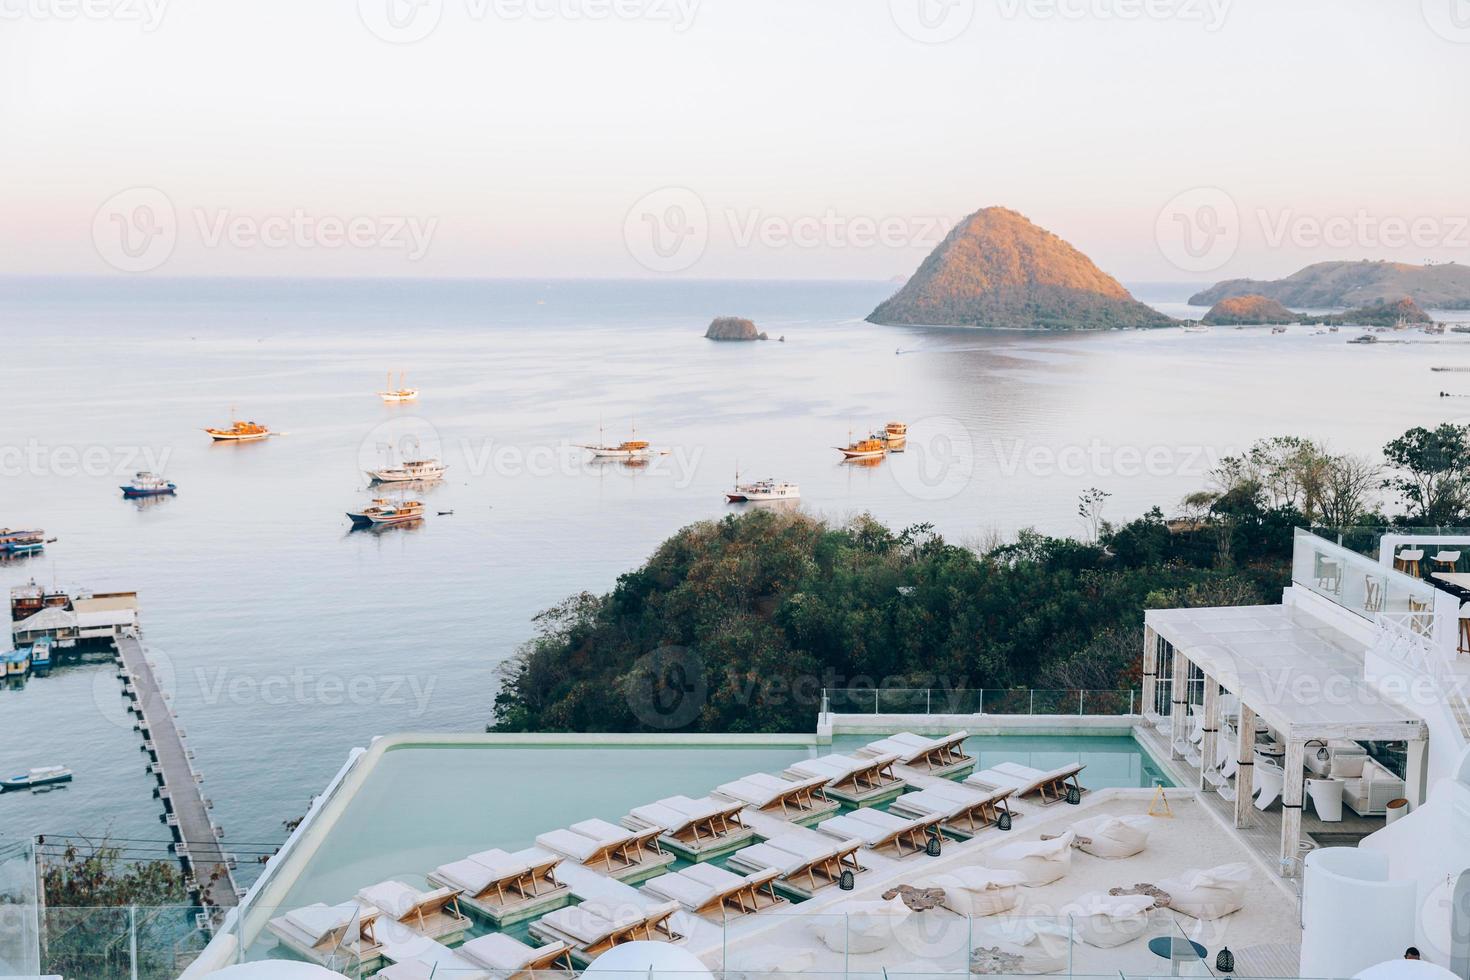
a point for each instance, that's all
(1243, 311)
(1392, 314)
(1355, 284)
(996, 269)
(733, 328)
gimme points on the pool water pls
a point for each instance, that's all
(424, 805)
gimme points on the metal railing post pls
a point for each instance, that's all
(980, 704)
(1033, 701)
(1080, 695)
(1130, 701)
(133, 941)
(928, 700)
(875, 701)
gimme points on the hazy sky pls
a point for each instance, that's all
(1168, 139)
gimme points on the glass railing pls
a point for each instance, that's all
(1354, 581)
(989, 701)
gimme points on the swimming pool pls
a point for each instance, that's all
(410, 804)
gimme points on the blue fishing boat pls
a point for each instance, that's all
(14, 542)
(41, 656)
(145, 484)
(32, 778)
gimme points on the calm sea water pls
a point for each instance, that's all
(290, 639)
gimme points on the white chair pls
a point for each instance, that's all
(1105, 921)
(1326, 798)
(1041, 862)
(1210, 893)
(1464, 646)
(1445, 561)
(1269, 781)
(1408, 560)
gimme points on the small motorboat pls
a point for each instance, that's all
(145, 484)
(41, 656)
(32, 778)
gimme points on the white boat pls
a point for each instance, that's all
(767, 489)
(402, 393)
(630, 449)
(410, 471)
(44, 776)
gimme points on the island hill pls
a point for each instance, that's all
(1242, 311)
(1355, 285)
(997, 270)
(733, 328)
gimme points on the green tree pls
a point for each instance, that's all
(1432, 473)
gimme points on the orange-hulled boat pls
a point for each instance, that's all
(869, 448)
(896, 434)
(239, 432)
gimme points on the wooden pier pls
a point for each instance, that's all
(208, 869)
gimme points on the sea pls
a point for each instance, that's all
(286, 639)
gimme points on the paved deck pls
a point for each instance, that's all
(187, 811)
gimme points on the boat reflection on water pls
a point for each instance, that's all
(788, 504)
(868, 461)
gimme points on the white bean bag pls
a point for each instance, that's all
(1208, 894)
(772, 961)
(1112, 837)
(1042, 944)
(1105, 921)
(978, 891)
(1041, 861)
(860, 927)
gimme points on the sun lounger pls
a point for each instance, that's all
(601, 845)
(690, 821)
(963, 808)
(421, 958)
(495, 879)
(320, 932)
(921, 752)
(714, 892)
(804, 860)
(1051, 785)
(786, 798)
(592, 928)
(434, 914)
(510, 959)
(850, 775)
(880, 831)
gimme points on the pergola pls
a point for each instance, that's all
(1290, 670)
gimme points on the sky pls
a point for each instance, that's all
(1170, 140)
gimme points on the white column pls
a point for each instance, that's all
(1245, 760)
(1291, 806)
(1416, 765)
(1150, 672)
(1179, 704)
(1209, 745)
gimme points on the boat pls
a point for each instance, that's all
(145, 484)
(383, 511)
(31, 778)
(896, 435)
(18, 662)
(1196, 328)
(239, 432)
(1366, 338)
(767, 489)
(630, 449)
(1278, 330)
(400, 394)
(411, 471)
(41, 656)
(869, 448)
(16, 542)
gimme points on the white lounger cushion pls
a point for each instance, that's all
(1106, 921)
(860, 927)
(1208, 894)
(867, 825)
(569, 843)
(419, 957)
(1113, 837)
(946, 801)
(976, 891)
(591, 921)
(314, 922)
(1042, 944)
(1042, 861)
(761, 789)
(681, 888)
(469, 875)
(497, 951)
(602, 831)
(393, 897)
